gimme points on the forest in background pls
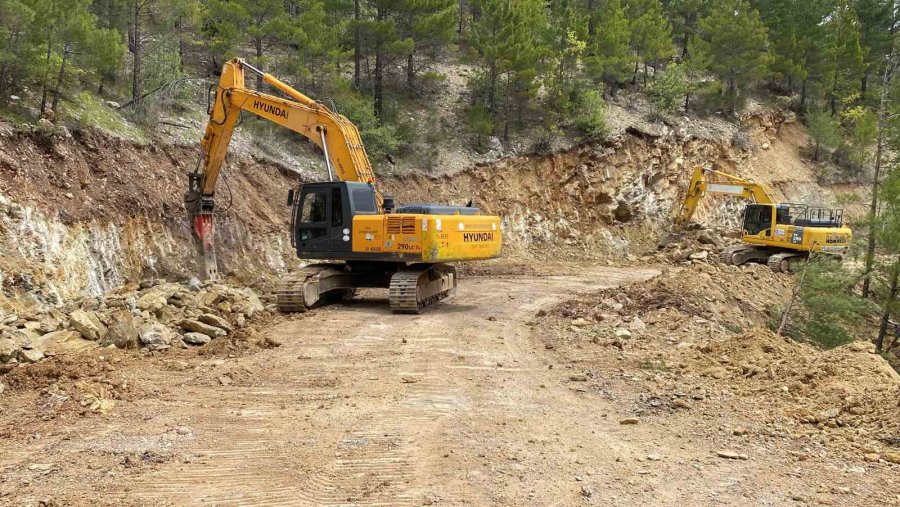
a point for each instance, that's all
(553, 64)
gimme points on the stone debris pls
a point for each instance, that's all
(731, 455)
(153, 315)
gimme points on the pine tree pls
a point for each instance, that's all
(887, 229)
(315, 51)
(608, 55)
(430, 25)
(824, 131)
(798, 41)
(567, 33)
(651, 35)
(845, 66)
(68, 33)
(19, 53)
(508, 39)
(732, 39)
(877, 23)
(683, 15)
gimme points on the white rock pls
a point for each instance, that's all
(621, 332)
(196, 339)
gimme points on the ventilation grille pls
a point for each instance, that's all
(401, 225)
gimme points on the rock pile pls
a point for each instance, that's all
(154, 315)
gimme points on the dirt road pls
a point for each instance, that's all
(461, 406)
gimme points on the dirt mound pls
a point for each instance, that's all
(686, 298)
(847, 388)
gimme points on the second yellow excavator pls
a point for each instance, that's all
(771, 232)
(364, 239)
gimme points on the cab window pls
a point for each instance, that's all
(312, 209)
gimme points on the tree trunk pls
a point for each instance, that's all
(592, 21)
(506, 111)
(816, 154)
(803, 96)
(44, 84)
(137, 50)
(879, 149)
(410, 70)
(67, 51)
(258, 43)
(785, 317)
(357, 45)
(634, 77)
(378, 85)
(886, 314)
(492, 88)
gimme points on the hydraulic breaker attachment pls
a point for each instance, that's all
(203, 220)
(204, 229)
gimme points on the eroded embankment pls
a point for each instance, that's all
(83, 214)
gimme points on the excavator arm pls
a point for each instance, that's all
(337, 137)
(706, 181)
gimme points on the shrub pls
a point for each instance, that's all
(481, 124)
(825, 305)
(590, 114)
(667, 91)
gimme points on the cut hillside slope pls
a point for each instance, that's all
(85, 213)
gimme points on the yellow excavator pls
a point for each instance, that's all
(361, 238)
(774, 233)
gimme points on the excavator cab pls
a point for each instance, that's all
(757, 219)
(322, 216)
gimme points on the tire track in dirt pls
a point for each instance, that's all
(357, 407)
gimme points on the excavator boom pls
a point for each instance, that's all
(705, 181)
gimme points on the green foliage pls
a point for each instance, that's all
(667, 92)
(862, 125)
(381, 138)
(732, 41)
(844, 67)
(481, 124)
(608, 56)
(508, 39)
(651, 35)
(824, 131)
(567, 45)
(590, 114)
(828, 307)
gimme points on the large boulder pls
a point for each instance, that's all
(30, 355)
(151, 302)
(155, 336)
(88, 324)
(198, 327)
(9, 350)
(196, 338)
(216, 321)
(59, 342)
(123, 332)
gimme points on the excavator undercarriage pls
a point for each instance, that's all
(411, 288)
(778, 261)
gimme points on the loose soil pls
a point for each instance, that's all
(472, 403)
